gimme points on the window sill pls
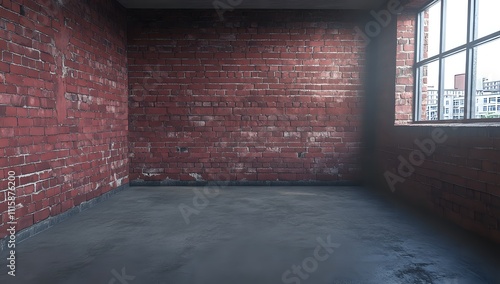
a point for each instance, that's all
(454, 124)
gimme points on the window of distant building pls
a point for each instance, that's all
(457, 56)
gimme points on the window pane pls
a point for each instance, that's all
(454, 85)
(449, 91)
(456, 23)
(432, 30)
(487, 17)
(429, 80)
(487, 79)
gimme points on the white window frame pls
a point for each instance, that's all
(468, 47)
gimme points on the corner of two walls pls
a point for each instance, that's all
(276, 98)
(260, 97)
(453, 172)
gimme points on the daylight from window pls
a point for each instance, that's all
(443, 48)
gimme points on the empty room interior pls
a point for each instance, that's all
(237, 141)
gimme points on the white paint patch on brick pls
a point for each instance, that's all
(196, 176)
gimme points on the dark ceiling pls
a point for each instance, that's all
(254, 4)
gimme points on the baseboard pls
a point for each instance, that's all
(51, 221)
(241, 183)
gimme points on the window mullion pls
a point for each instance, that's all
(441, 89)
(443, 21)
(417, 99)
(445, 59)
(468, 96)
(441, 61)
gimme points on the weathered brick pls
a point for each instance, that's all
(463, 170)
(35, 111)
(241, 104)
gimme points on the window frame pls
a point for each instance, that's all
(468, 48)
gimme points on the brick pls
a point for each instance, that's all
(41, 215)
(242, 97)
(3, 111)
(30, 100)
(204, 102)
(24, 222)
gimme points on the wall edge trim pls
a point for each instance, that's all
(46, 224)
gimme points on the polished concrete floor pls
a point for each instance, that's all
(254, 235)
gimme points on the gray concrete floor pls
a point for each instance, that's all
(255, 235)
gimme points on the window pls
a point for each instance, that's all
(457, 57)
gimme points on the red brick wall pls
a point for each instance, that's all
(458, 180)
(404, 75)
(261, 96)
(63, 104)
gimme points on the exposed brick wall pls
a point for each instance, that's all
(261, 96)
(63, 104)
(459, 180)
(404, 75)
